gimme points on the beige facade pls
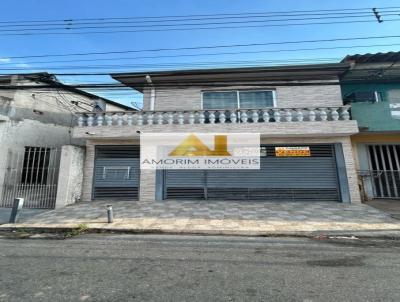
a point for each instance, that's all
(309, 110)
(301, 96)
(273, 133)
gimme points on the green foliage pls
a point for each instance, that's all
(80, 229)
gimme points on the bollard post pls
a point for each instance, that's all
(110, 214)
(17, 207)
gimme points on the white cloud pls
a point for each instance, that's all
(5, 60)
(22, 65)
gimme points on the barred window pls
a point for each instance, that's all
(36, 164)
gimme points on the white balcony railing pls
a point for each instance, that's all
(242, 116)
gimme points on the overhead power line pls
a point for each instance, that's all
(195, 22)
(204, 47)
(290, 12)
(73, 23)
(377, 15)
(199, 55)
(139, 24)
(68, 32)
(216, 17)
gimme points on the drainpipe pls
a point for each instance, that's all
(152, 92)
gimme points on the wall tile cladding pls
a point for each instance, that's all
(148, 177)
(286, 96)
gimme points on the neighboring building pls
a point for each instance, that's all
(36, 119)
(291, 106)
(372, 87)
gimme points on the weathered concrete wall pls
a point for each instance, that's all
(286, 96)
(70, 179)
(14, 136)
(37, 118)
(88, 172)
(52, 106)
(51, 100)
(112, 107)
(49, 107)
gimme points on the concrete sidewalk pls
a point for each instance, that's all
(221, 217)
(390, 206)
(26, 214)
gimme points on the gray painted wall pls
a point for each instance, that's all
(15, 135)
(36, 118)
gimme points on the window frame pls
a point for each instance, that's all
(238, 97)
(378, 97)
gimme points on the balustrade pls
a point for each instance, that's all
(228, 116)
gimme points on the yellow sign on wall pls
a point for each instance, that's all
(292, 151)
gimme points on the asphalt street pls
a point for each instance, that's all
(198, 268)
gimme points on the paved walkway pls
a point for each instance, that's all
(390, 206)
(220, 217)
(25, 215)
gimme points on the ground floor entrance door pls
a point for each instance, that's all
(31, 173)
(384, 165)
(116, 172)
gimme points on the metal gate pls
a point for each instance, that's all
(311, 178)
(116, 172)
(32, 175)
(384, 163)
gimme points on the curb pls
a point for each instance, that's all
(389, 235)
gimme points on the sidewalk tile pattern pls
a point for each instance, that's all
(219, 216)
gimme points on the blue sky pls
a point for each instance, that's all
(13, 46)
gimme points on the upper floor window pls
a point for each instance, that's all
(363, 96)
(235, 99)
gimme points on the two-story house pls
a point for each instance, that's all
(290, 106)
(37, 113)
(372, 87)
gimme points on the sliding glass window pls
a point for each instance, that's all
(256, 99)
(238, 99)
(220, 100)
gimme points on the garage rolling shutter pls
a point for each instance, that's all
(116, 172)
(279, 178)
